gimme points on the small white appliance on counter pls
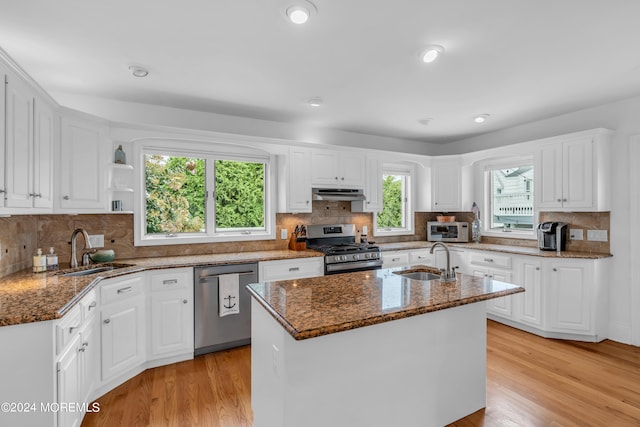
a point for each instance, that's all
(447, 231)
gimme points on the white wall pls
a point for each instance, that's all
(623, 117)
(130, 112)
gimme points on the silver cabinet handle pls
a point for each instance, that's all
(564, 200)
(107, 321)
(342, 178)
(92, 305)
(66, 197)
(336, 178)
(307, 202)
(81, 349)
(395, 259)
(294, 269)
(538, 268)
(170, 282)
(184, 301)
(488, 260)
(559, 200)
(555, 269)
(124, 290)
(2, 190)
(421, 257)
(72, 328)
(85, 344)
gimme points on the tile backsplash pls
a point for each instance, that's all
(21, 235)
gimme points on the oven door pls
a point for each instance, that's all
(349, 267)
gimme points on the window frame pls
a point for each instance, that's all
(209, 151)
(486, 208)
(409, 172)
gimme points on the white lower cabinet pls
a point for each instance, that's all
(171, 314)
(395, 259)
(288, 269)
(570, 287)
(69, 383)
(529, 304)
(494, 267)
(122, 324)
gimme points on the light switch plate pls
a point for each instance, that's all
(96, 240)
(597, 235)
(365, 230)
(576, 234)
(283, 234)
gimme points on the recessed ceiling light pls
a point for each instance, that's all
(138, 71)
(431, 53)
(425, 121)
(480, 118)
(316, 101)
(300, 12)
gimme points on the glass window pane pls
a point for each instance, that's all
(512, 198)
(393, 211)
(240, 195)
(175, 194)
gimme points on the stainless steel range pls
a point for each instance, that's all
(342, 253)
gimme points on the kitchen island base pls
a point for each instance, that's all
(419, 371)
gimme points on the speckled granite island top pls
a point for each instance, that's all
(33, 297)
(317, 306)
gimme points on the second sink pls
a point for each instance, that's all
(420, 275)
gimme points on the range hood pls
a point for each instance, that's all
(340, 194)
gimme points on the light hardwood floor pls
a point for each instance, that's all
(531, 381)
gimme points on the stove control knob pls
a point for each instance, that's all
(343, 258)
(367, 255)
(356, 257)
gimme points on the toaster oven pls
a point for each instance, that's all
(447, 231)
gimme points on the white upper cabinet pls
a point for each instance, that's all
(572, 173)
(446, 186)
(372, 189)
(335, 169)
(294, 181)
(28, 151)
(84, 154)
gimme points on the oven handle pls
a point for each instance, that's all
(351, 266)
(213, 276)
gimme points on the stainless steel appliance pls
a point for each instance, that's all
(342, 253)
(212, 332)
(340, 194)
(552, 236)
(447, 231)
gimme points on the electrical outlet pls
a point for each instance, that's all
(365, 230)
(576, 234)
(0, 250)
(96, 240)
(597, 235)
(283, 234)
(275, 360)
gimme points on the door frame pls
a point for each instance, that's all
(634, 227)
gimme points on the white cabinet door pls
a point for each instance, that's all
(171, 319)
(445, 191)
(530, 302)
(564, 175)
(122, 324)
(19, 141)
(569, 297)
(502, 306)
(83, 158)
(299, 181)
(421, 257)
(577, 177)
(89, 357)
(69, 373)
(43, 155)
(335, 169)
(372, 189)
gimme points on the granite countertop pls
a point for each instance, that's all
(316, 306)
(33, 297)
(515, 250)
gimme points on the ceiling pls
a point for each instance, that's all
(517, 60)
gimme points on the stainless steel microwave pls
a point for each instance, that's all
(447, 231)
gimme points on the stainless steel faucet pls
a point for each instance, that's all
(448, 275)
(87, 245)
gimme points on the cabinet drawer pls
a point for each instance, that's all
(67, 328)
(395, 259)
(421, 257)
(178, 279)
(491, 260)
(89, 305)
(291, 269)
(121, 290)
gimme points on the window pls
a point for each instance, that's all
(510, 197)
(396, 216)
(192, 197)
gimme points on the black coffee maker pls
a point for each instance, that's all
(552, 236)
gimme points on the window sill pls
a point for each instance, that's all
(526, 235)
(220, 238)
(383, 233)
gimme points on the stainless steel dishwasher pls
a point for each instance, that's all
(212, 332)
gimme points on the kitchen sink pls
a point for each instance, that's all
(420, 275)
(83, 271)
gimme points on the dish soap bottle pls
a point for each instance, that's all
(476, 225)
(52, 260)
(39, 262)
(120, 156)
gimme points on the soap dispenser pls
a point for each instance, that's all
(39, 262)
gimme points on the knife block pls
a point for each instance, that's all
(297, 243)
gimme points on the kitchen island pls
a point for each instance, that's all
(371, 348)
